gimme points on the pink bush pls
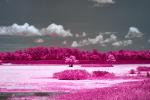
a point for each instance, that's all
(72, 75)
(143, 68)
(102, 74)
(132, 71)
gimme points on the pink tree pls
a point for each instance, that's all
(71, 60)
(111, 58)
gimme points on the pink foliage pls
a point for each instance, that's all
(111, 58)
(72, 75)
(132, 71)
(103, 74)
(99, 73)
(143, 68)
(71, 60)
(86, 57)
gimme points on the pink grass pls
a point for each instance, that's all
(126, 91)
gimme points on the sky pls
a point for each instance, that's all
(87, 24)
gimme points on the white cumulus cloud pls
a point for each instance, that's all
(134, 33)
(101, 2)
(30, 30)
(75, 44)
(99, 39)
(80, 35)
(22, 30)
(54, 29)
(39, 40)
(64, 42)
(111, 39)
(122, 43)
(83, 34)
(77, 35)
(148, 40)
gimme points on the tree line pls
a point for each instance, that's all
(55, 53)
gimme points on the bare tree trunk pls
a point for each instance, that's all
(147, 74)
(70, 65)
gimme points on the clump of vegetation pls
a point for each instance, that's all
(72, 75)
(98, 74)
(143, 68)
(148, 74)
(132, 71)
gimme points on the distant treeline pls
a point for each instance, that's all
(54, 53)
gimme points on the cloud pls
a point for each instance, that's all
(108, 33)
(30, 30)
(99, 39)
(84, 42)
(112, 38)
(75, 44)
(80, 43)
(39, 40)
(81, 35)
(122, 43)
(98, 3)
(148, 40)
(54, 29)
(64, 42)
(134, 33)
(84, 34)
(103, 39)
(22, 30)
(77, 35)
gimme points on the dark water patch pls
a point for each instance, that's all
(11, 95)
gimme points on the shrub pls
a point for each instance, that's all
(143, 68)
(72, 75)
(102, 74)
(132, 71)
(148, 74)
(56, 75)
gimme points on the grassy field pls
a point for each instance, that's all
(123, 91)
(29, 82)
